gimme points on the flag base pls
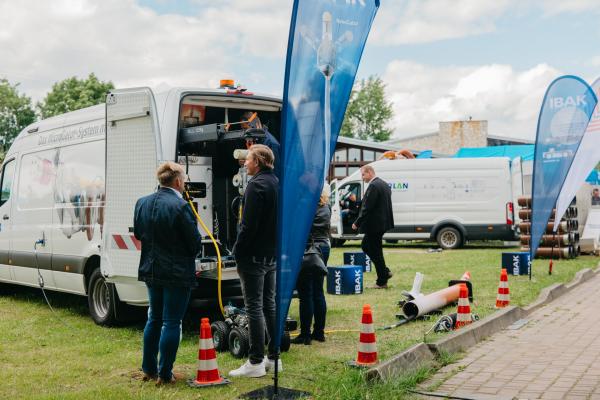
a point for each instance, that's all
(268, 393)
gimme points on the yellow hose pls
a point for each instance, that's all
(218, 255)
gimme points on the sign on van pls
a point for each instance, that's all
(399, 186)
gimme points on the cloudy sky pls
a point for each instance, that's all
(440, 59)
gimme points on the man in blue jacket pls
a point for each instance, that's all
(166, 226)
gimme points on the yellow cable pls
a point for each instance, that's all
(218, 255)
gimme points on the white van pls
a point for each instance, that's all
(448, 200)
(69, 186)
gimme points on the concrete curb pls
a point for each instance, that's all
(465, 338)
(411, 358)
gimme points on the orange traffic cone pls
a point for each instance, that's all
(208, 371)
(503, 298)
(463, 315)
(367, 347)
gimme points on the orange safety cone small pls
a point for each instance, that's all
(503, 298)
(463, 315)
(367, 346)
(208, 371)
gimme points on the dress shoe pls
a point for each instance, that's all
(301, 340)
(376, 286)
(175, 376)
(318, 337)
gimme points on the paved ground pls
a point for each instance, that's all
(556, 355)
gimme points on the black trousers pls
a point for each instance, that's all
(257, 277)
(371, 245)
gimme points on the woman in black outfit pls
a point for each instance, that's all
(310, 280)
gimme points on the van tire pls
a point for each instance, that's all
(103, 300)
(449, 238)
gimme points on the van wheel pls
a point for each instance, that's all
(103, 300)
(449, 238)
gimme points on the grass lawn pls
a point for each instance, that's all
(44, 357)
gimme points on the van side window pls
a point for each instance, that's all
(36, 180)
(8, 173)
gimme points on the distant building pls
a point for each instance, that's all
(350, 154)
(453, 135)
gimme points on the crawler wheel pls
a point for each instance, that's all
(239, 342)
(220, 335)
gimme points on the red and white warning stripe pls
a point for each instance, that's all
(503, 298)
(125, 242)
(463, 315)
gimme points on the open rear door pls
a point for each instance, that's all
(133, 150)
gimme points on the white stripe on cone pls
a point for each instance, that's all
(463, 317)
(367, 347)
(367, 328)
(206, 344)
(207, 365)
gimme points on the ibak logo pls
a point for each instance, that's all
(569, 101)
(338, 282)
(400, 186)
(357, 283)
(516, 264)
(367, 263)
(352, 259)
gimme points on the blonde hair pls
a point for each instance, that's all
(325, 193)
(263, 156)
(167, 173)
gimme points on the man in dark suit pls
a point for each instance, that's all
(374, 219)
(166, 226)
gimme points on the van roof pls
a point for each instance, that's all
(165, 98)
(430, 163)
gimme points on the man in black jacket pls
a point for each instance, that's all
(254, 252)
(166, 226)
(374, 219)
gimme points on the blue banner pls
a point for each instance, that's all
(325, 45)
(566, 111)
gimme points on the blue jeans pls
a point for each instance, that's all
(163, 329)
(257, 277)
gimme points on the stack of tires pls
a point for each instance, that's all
(564, 243)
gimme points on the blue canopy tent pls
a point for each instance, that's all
(525, 151)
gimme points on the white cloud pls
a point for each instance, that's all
(424, 95)
(409, 22)
(133, 45)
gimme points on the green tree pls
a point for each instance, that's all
(16, 112)
(72, 94)
(368, 112)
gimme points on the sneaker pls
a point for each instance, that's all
(301, 340)
(250, 370)
(270, 364)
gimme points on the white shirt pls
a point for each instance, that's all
(176, 192)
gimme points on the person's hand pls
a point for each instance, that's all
(354, 227)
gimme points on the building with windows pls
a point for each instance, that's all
(350, 154)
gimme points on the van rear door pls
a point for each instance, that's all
(6, 184)
(132, 156)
